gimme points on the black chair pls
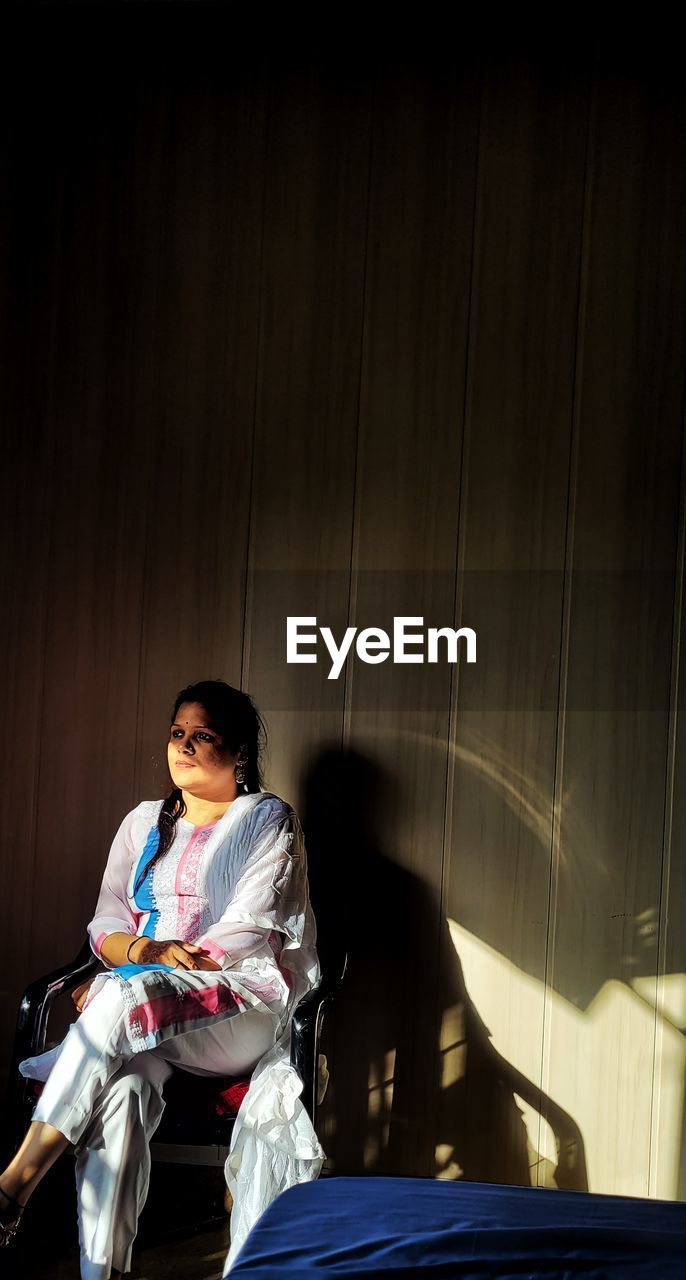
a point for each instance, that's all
(193, 1130)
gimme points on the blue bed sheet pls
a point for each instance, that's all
(414, 1227)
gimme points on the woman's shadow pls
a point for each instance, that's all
(416, 1088)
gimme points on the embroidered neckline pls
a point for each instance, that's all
(199, 826)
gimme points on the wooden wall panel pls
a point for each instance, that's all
(511, 552)
(96, 519)
(31, 293)
(352, 341)
(622, 562)
(303, 479)
(210, 246)
(669, 989)
(406, 514)
(303, 473)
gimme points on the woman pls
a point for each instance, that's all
(205, 927)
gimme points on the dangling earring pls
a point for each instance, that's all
(240, 773)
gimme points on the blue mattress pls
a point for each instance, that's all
(406, 1227)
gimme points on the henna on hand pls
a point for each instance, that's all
(151, 952)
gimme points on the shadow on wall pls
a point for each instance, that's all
(405, 1099)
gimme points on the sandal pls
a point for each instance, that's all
(10, 1225)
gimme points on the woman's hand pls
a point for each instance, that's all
(178, 955)
(205, 961)
(79, 994)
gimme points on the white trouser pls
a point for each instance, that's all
(108, 1103)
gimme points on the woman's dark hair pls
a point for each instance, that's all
(233, 715)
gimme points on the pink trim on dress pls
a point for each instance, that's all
(186, 884)
(99, 941)
(209, 945)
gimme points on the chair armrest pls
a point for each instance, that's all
(35, 1004)
(31, 1029)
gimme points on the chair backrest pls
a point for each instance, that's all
(306, 1030)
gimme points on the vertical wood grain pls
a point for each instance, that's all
(668, 990)
(357, 339)
(311, 292)
(307, 401)
(622, 563)
(31, 300)
(210, 229)
(104, 407)
(406, 513)
(511, 553)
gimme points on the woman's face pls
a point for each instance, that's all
(198, 760)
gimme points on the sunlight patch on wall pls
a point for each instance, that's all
(453, 1046)
(379, 1107)
(617, 1068)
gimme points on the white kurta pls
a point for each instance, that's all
(238, 888)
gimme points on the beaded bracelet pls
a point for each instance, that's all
(128, 949)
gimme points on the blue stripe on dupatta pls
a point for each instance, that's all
(144, 898)
(144, 895)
